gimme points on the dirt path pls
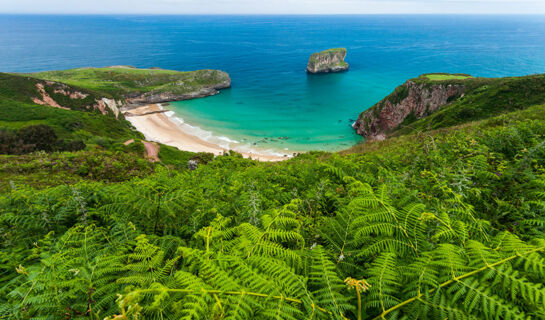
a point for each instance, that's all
(152, 151)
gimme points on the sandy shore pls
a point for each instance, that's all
(156, 126)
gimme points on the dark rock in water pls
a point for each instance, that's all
(192, 165)
(327, 61)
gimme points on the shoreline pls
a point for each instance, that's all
(156, 125)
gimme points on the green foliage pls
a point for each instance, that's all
(40, 169)
(444, 224)
(75, 277)
(35, 138)
(178, 159)
(153, 204)
(67, 124)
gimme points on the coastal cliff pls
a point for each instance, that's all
(327, 61)
(207, 83)
(128, 87)
(413, 100)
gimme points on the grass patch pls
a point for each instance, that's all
(443, 77)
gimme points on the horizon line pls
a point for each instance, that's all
(270, 14)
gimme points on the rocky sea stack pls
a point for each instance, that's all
(327, 61)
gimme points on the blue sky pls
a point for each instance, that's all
(274, 6)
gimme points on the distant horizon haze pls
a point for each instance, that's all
(277, 7)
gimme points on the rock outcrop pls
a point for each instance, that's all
(136, 99)
(327, 61)
(413, 99)
(106, 104)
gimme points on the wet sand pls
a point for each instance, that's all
(156, 126)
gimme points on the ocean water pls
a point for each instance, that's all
(271, 96)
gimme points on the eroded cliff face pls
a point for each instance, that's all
(412, 99)
(60, 95)
(331, 60)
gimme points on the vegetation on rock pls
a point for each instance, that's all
(331, 60)
(125, 82)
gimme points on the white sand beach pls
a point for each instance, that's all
(156, 126)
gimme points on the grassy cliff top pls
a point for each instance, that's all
(332, 50)
(446, 76)
(328, 52)
(119, 81)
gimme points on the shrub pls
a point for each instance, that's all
(42, 136)
(73, 145)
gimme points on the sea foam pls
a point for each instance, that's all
(222, 141)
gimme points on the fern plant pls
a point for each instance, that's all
(76, 278)
(239, 272)
(160, 200)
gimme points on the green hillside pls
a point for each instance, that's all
(483, 98)
(443, 222)
(118, 82)
(77, 120)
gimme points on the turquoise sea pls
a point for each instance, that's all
(266, 56)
